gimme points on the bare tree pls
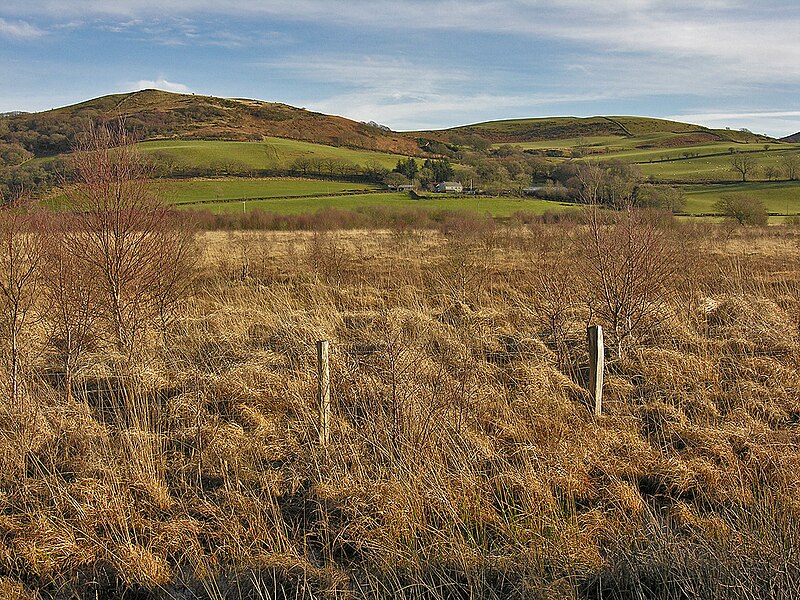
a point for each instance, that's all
(613, 184)
(619, 184)
(791, 165)
(301, 164)
(555, 286)
(71, 298)
(589, 177)
(20, 259)
(743, 163)
(134, 246)
(629, 262)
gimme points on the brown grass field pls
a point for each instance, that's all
(464, 460)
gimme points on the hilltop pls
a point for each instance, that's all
(158, 115)
(153, 114)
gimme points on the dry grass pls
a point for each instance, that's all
(464, 459)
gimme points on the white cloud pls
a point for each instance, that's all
(614, 49)
(159, 84)
(405, 94)
(420, 111)
(743, 39)
(776, 123)
(19, 30)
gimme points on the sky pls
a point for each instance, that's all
(420, 64)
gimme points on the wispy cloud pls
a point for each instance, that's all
(191, 32)
(757, 42)
(406, 94)
(370, 71)
(159, 84)
(704, 52)
(20, 30)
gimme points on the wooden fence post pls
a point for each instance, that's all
(323, 392)
(596, 366)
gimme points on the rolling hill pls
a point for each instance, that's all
(794, 138)
(153, 114)
(222, 138)
(158, 115)
(589, 130)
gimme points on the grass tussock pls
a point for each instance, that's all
(464, 458)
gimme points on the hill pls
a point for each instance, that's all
(595, 129)
(154, 114)
(188, 135)
(158, 115)
(794, 139)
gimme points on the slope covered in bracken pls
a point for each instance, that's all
(153, 114)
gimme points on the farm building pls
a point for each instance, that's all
(449, 186)
(532, 191)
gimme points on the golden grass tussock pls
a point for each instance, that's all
(464, 458)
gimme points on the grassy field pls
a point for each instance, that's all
(178, 191)
(463, 459)
(778, 197)
(652, 148)
(273, 153)
(493, 206)
(275, 195)
(646, 155)
(598, 141)
(582, 128)
(709, 168)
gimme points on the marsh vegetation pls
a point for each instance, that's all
(464, 459)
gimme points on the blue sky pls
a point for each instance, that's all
(420, 63)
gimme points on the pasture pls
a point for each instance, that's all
(271, 153)
(712, 168)
(780, 198)
(177, 191)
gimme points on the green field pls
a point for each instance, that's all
(598, 141)
(779, 198)
(272, 153)
(710, 168)
(652, 148)
(177, 191)
(496, 207)
(716, 150)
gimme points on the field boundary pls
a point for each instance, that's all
(302, 196)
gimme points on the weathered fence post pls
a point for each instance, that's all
(323, 392)
(596, 366)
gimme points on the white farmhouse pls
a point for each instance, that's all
(449, 187)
